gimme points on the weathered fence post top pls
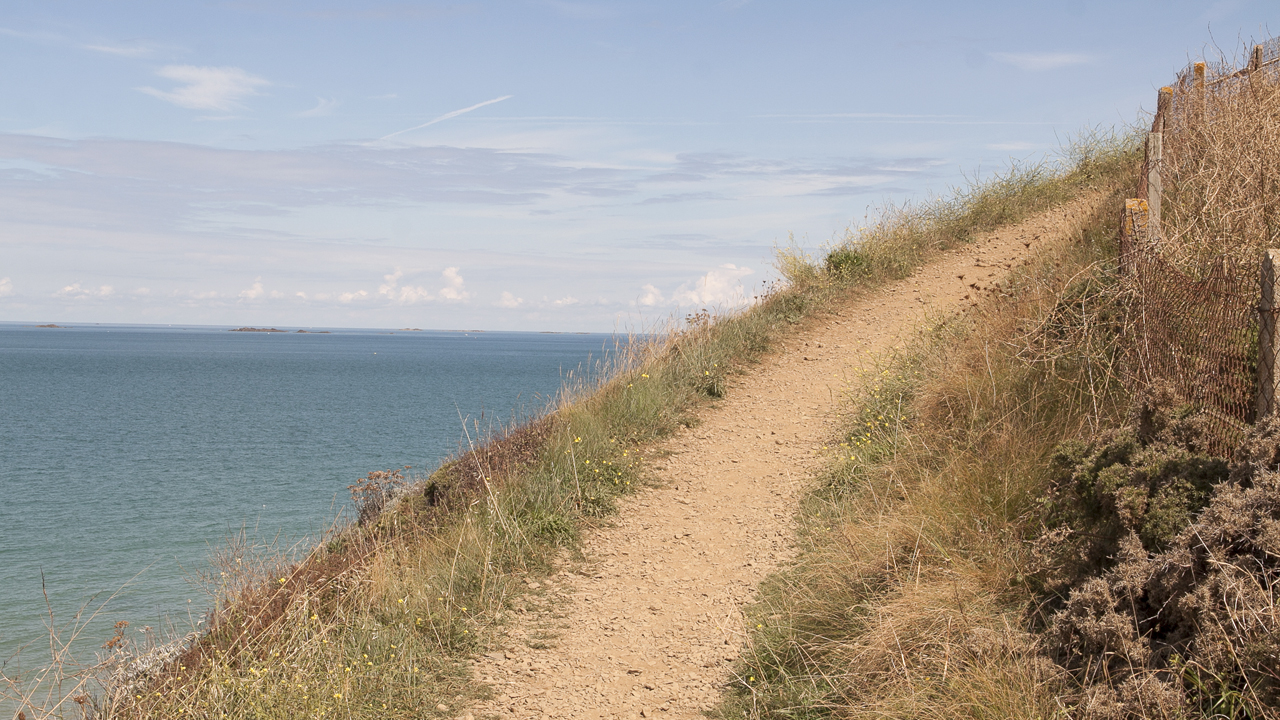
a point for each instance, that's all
(1163, 101)
(1134, 230)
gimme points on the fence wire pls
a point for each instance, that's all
(1197, 338)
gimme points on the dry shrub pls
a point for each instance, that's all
(1195, 626)
(1221, 169)
(1147, 479)
(465, 478)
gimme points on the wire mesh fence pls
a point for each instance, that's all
(1192, 243)
(1197, 338)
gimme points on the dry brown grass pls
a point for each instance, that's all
(910, 596)
(1221, 169)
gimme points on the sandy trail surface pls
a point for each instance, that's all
(650, 624)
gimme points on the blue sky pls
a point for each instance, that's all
(521, 165)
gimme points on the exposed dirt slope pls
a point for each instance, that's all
(649, 625)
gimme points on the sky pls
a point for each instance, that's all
(550, 165)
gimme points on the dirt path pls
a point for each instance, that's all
(650, 625)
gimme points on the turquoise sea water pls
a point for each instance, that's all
(136, 449)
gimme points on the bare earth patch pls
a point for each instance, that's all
(650, 624)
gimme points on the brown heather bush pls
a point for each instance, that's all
(1145, 480)
(1193, 629)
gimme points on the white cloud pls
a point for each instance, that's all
(207, 88)
(1035, 62)
(347, 297)
(453, 291)
(1014, 146)
(722, 287)
(254, 292)
(75, 292)
(133, 52)
(507, 300)
(566, 301)
(324, 106)
(652, 296)
(406, 294)
(6, 287)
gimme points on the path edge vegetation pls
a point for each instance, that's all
(914, 589)
(1022, 521)
(380, 618)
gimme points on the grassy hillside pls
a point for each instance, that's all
(379, 620)
(917, 566)
(1018, 533)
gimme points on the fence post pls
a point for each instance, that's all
(1199, 91)
(1268, 339)
(1155, 141)
(1133, 232)
(1163, 101)
(1255, 59)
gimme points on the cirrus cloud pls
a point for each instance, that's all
(207, 88)
(324, 106)
(1034, 62)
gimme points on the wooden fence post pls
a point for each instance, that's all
(1155, 141)
(1268, 339)
(1199, 91)
(1163, 102)
(1255, 58)
(1134, 230)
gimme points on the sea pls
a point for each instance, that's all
(130, 454)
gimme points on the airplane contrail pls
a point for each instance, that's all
(446, 116)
